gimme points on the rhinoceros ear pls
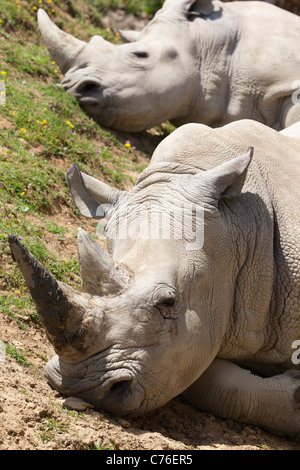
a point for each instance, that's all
(129, 36)
(91, 197)
(196, 7)
(227, 180)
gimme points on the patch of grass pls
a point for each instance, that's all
(28, 184)
(43, 132)
(29, 59)
(50, 427)
(97, 445)
(64, 270)
(18, 355)
(135, 7)
(58, 230)
(16, 303)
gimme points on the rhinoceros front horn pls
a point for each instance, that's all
(63, 47)
(61, 309)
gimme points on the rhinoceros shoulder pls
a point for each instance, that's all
(205, 147)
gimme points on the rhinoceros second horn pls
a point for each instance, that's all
(99, 273)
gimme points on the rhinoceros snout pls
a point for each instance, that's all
(117, 392)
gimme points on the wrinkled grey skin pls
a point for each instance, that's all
(196, 61)
(159, 317)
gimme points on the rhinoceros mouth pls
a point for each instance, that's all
(115, 391)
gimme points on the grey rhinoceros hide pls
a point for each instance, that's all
(200, 284)
(196, 61)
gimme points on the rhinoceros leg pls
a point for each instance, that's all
(229, 391)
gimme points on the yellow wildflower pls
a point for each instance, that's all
(3, 72)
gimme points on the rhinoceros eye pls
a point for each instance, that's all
(167, 302)
(141, 54)
(164, 298)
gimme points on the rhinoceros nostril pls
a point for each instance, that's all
(120, 389)
(88, 93)
(123, 397)
(87, 88)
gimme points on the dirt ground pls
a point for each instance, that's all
(33, 416)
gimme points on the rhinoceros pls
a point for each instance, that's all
(211, 310)
(196, 61)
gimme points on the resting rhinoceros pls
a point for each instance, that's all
(170, 311)
(196, 61)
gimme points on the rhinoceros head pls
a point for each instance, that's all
(152, 312)
(139, 84)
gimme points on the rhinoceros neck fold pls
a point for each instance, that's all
(167, 167)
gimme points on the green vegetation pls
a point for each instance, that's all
(50, 427)
(43, 132)
(99, 446)
(135, 7)
(19, 356)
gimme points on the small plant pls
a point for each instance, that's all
(50, 427)
(18, 355)
(97, 445)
